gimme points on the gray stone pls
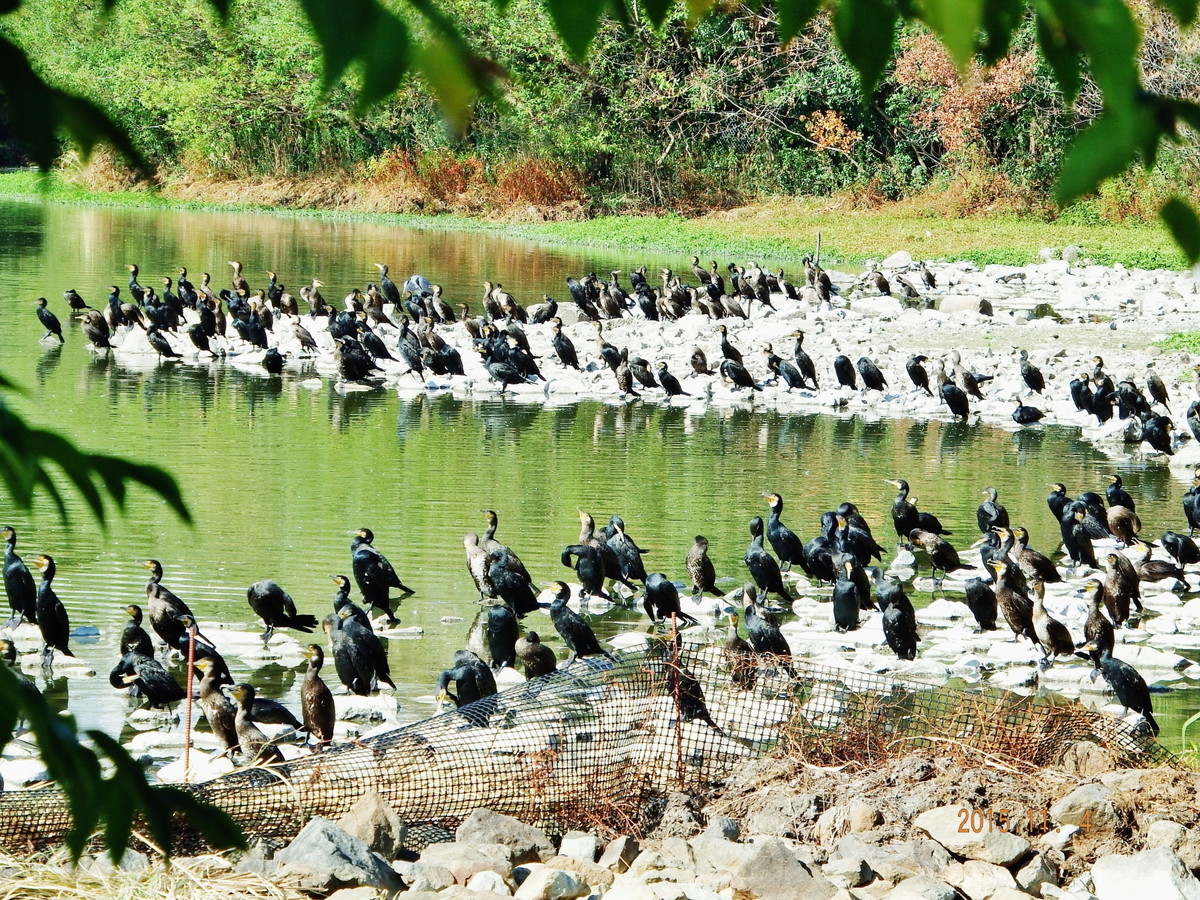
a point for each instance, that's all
(429, 877)
(130, 861)
(965, 303)
(489, 882)
(711, 852)
(528, 844)
(1010, 894)
(579, 845)
(464, 860)
(1089, 806)
(1165, 833)
(1156, 873)
(723, 827)
(847, 873)
(620, 853)
(897, 861)
(921, 887)
(551, 884)
(676, 852)
(989, 844)
(1086, 759)
(1035, 873)
(774, 873)
(324, 857)
(863, 816)
(373, 820)
(1053, 892)
(626, 887)
(647, 861)
(358, 893)
(978, 880)
(593, 873)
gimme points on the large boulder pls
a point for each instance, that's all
(1089, 806)
(774, 873)
(527, 843)
(324, 857)
(945, 824)
(373, 820)
(546, 883)
(1156, 873)
(465, 860)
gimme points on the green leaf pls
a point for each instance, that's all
(451, 82)
(1104, 149)
(1181, 219)
(794, 15)
(956, 22)
(1184, 11)
(360, 30)
(1001, 18)
(656, 10)
(866, 31)
(576, 23)
(1063, 56)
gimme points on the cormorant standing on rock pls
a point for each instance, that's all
(18, 581)
(662, 600)
(589, 568)
(256, 747)
(843, 369)
(1097, 630)
(845, 598)
(359, 657)
(783, 540)
(1017, 609)
(941, 554)
(991, 514)
(1116, 494)
(1052, 634)
(916, 372)
(701, 569)
(501, 631)
(575, 632)
(766, 638)
(275, 607)
(981, 600)
(1031, 374)
(899, 617)
(872, 378)
(740, 656)
(165, 609)
(763, 567)
(1156, 431)
(1128, 685)
(51, 615)
(474, 682)
(537, 658)
(670, 383)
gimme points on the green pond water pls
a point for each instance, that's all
(277, 472)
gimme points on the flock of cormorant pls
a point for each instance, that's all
(364, 336)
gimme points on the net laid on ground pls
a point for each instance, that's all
(598, 743)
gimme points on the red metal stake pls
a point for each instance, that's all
(187, 727)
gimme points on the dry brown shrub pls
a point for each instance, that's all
(539, 182)
(961, 108)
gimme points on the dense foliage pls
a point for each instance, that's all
(685, 118)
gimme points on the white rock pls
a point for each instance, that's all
(1156, 873)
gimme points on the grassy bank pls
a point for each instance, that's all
(766, 231)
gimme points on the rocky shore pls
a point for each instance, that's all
(921, 827)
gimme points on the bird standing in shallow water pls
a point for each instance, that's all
(374, 574)
(49, 321)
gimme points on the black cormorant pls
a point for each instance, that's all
(981, 600)
(662, 600)
(1097, 630)
(374, 574)
(763, 567)
(134, 636)
(360, 656)
(845, 598)
(872, 378)
(575, 632)
(219, 711)
(916, 372)
(49, 321)
(1116, 494)
(1181, 547)
(510, 586)
(474, 682)
(1031, 374)
(991, 514)
(1156, 431)
(740, 656)
(766, 638)
(18, 581)
(784, 542)
(899, 617)
(152, 680)
(843, 369)
(501, 632)
(1052, 634)
(629, 555)
(905, 516)
(274, 606)
(1026, 415)
(941, 554)
(51, 614)
(1017, 609)
(1128, 685)
(164, 607)
(670, 383)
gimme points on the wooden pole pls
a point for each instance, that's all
(187, 726)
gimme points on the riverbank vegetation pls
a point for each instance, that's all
(687, 120)
(782, 230)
